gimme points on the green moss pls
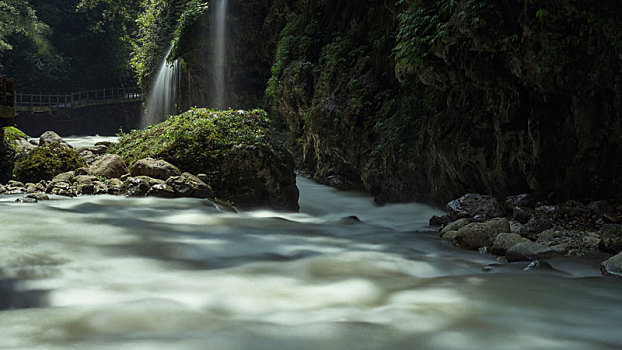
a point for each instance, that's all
(195, 140)
(11, 135)
(45, 162)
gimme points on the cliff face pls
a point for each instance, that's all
(426, 100)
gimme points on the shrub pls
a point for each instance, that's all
(45, 162)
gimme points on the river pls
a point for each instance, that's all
(117, 273)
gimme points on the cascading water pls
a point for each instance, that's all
(219, 38)
(161, 102)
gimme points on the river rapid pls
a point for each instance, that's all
(145, 273)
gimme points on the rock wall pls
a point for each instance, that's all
(426, 100)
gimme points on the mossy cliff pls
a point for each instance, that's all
(427, 100)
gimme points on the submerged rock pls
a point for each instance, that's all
(527, 251)
(506, 240)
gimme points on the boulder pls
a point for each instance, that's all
(521, 200)
(477, 235)
(110, 166)
(454, 226)
(505, 240)
(50, 137)
(188, 185)
(47, 161)
(612, 266)
(439, 220)
(161, 191)
(611, 239)
(450, 236)
(473, 204)
(522, 214)
(136, 186)
(115, 187)
(155, 168)
(527, 251)
(64, 177)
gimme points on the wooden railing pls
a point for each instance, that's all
(48, 102)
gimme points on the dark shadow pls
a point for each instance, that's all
(13, 297)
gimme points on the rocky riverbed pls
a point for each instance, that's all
(224, 156)
(522, 229)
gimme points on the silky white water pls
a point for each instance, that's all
(218, 44)
(162, 98)
(118, 273)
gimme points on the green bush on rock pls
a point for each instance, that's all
(45, 162)
(232, 147)
(12, 134)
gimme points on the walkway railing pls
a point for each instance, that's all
(47, 102)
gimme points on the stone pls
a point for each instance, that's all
(161, 191)
(477, 235)
(527, 251)
(115, 187)
(38, 196)
(438, 220)
(612, 266)
(26, 200)
(50, 137)
(522, 214)
(155, 168)
(539, 265)
(81, 171)
(473, 204)
(110, 166)
(505, 241)
(611, 239)
(85, 189)
(136, 187)
(188, 185)
(23, 145)
(84, 179)
(64, 177)
(454, 225)
(98, 149)
(450, 236)
(13, 183)
(88, 156)
(100, 187)
(522, 200)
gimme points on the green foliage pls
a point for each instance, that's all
(194, 10)
(194, 139)
(157, 23)
(420, 29)
(11, 135)
(45, 162)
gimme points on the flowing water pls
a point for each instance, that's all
(162, 98)
(118, 273)
(219, 41)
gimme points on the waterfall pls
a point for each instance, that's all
(161, 102)
(219, 38)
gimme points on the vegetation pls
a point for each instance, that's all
(196, 139)
(11, 135)
(45, 162)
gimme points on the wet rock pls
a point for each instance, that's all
(612, 266)
(136, 187)
(155, 168)
(115, 187)
(472, 204)
(188, 185)
(161, 191)
(50, 137)
(222, 206)
(98, 149)
(106, 144)
(100, 187)
(480, 218)
(450, 236)
(26, 200)
(439, 220)
(505, 240)
(539, 265)
(38, 196)
(204, 178)
(522, 214)
(2, 189)
(84, 179)
(527, 251)
(611, 239)
(110, 166)
(85, 189)
(60, 189)
(13, 183)
(476, 235)
(521, 200)
(23, 145)
(455, 225)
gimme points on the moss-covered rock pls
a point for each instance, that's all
(45, 162)
(243, 165)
